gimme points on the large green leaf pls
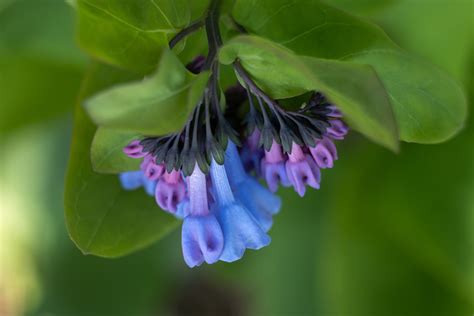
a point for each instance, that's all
(431, 110)
(455, 51)
(130, 34)
(102, 218)
(326, 32)
(107, 151)
(355, 88)
(35, 58)
(157, 105)
(429, 105)
(364, 7)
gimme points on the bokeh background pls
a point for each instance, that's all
(386, 235)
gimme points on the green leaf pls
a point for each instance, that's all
(155, 106)
(35, 58)
(428, 105)
(364, 7)
(355, 88)
(326, 32)
(130, 34)
(107, 151)
(102, 218)
(441, 23)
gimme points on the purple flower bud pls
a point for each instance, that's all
(337, 130)
(324, 153)
(335, 112)
(251, 154)
(134, 150)
(146, 160)
(152, 170)
(302, 170)
(273, 168)
(253, 140)
(170, 191)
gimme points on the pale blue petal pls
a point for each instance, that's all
(131, 180)
(241, 231)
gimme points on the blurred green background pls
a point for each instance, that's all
(386, 235)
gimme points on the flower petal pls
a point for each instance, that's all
(169, 195)
(303, 173)
(131, 180)
(241, 231)
(202, 240)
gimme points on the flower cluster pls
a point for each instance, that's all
(224, 212)
(224, 208)
(200, 175)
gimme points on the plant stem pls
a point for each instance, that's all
(253, 87)
(213, 33)
(193, 27)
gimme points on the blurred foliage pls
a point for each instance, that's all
(386, 235)
(40, 65)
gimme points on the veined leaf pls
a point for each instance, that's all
(102, 218)
(155, 106)
(363, 7)
(107, 151)
(130, 34)
(428, 104)
(355, 88)
(326, 32)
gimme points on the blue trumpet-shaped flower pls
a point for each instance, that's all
(202, 238)
(262, 203)
(241, 229)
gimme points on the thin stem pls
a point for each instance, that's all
(238, 26)
(214, 88)
(193, 27)
(274, 107)
(213, 33)
(250, 98)
(253, 87)
(208, 114)
(195, 127)
(266, 120)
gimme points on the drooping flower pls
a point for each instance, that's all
(202, 237)
(302, 170)
(241, 230)
(200, 175)
(262, 203)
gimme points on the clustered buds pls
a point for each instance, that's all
(203, 138)
(225, 210)
(200, 175)
(295, 152)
